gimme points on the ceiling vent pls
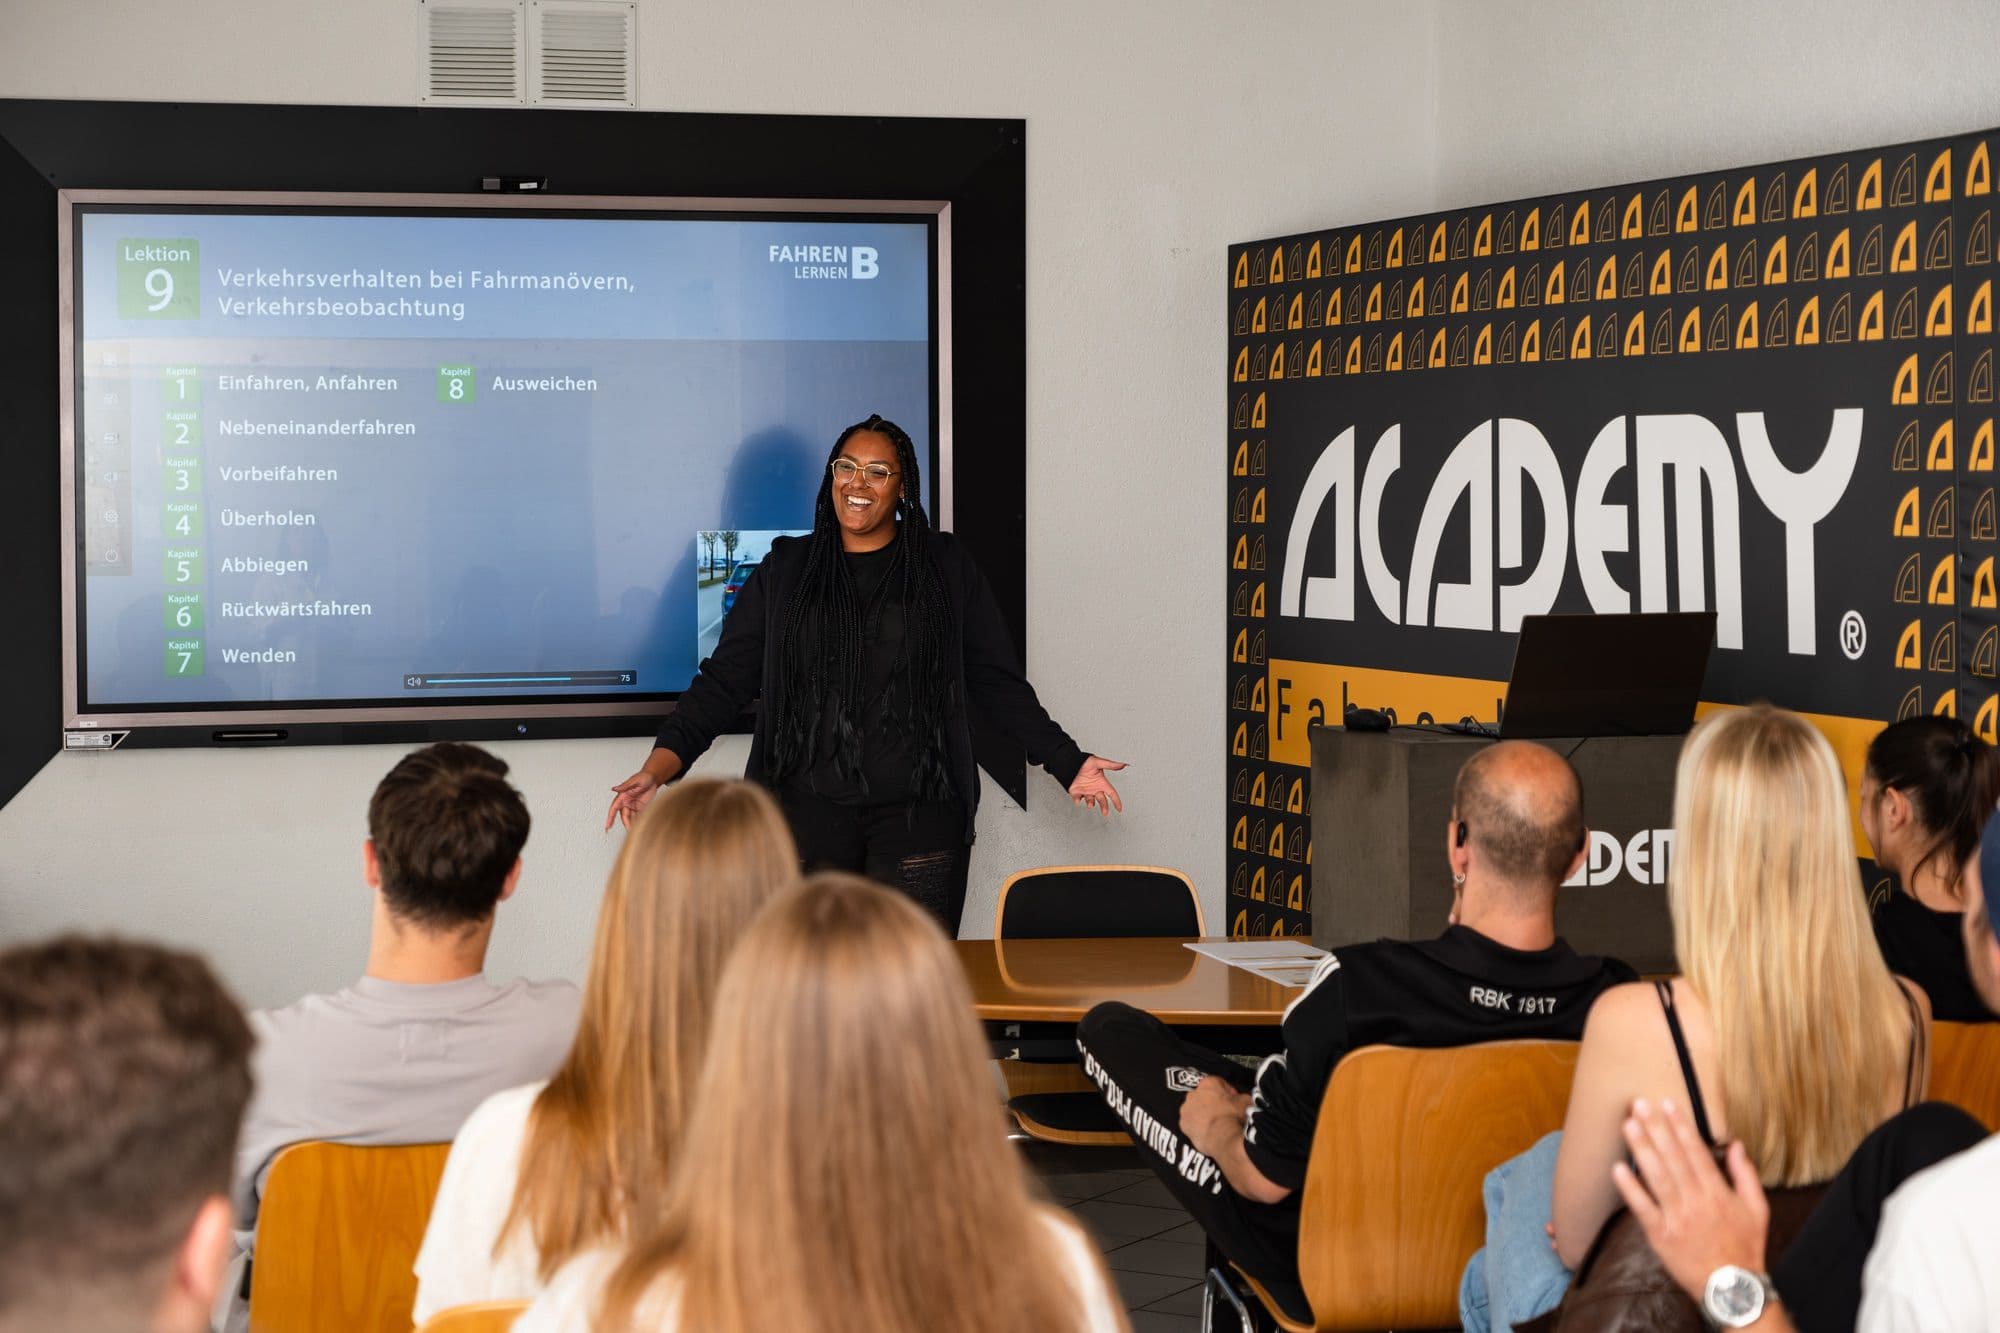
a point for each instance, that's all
(584, 52)
(473, 51)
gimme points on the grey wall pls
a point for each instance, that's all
(1158, 133)
(1544, 95)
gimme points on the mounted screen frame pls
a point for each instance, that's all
(291, 721)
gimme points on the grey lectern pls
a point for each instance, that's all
(1381, 802)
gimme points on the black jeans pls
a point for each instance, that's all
(1819, 1277)
(916, 846)
(1145, 1069)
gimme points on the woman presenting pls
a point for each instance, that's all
(869, 641)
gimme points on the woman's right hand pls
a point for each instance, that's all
(629, 797)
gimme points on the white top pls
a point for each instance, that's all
(390, 1062)
(457, 1264)
(1935, 1267)
(568, 1302)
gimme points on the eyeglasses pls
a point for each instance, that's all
(875, 474)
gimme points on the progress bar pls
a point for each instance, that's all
(490, 680)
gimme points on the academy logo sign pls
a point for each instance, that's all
(1765, 392)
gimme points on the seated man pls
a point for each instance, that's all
(123, 1073)
(1497, 972)
(1915, 1199)
(405, 1053)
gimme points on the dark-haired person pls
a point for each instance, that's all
(870, 642)
(1233, 1151)
(123, 1073)
(405, 1053)
(1927, 787)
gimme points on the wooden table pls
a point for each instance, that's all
(1036, 990)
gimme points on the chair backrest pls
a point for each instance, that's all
(1393, 1203)
(1097, 902)
(1965, 1068)
(338, 1231)
(479, 1317)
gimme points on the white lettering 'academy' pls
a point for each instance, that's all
(1693, 447)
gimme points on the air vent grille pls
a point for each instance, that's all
(584, 52)
(473, 51)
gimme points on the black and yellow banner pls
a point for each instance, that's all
(1766, 392)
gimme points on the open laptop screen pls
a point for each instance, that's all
(1607, 675)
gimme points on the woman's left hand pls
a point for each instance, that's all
(1093, 789)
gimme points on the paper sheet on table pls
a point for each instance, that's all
(1285, 962)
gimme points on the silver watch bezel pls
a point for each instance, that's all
(1731, 1279)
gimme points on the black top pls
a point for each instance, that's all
(1912, 1063)
(1929, 948)
(1665, 990)
(1456, 990)
(989, 679)
(887, 759)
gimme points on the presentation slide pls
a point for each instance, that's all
(408, 457)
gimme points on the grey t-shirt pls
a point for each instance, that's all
(386, 1062)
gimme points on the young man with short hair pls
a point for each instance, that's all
(405, 1053)
(124, 1070)
(1499, 972)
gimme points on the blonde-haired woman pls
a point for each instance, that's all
(1785, 1028)
(844, 1171)
(542, 1172)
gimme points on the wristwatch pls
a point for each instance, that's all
(1735, 1297)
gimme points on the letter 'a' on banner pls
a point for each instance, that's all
(1757, 391)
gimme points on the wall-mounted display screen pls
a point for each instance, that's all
(342, 459)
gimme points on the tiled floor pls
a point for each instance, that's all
(1152, 1247)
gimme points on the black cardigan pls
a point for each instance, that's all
(744, 666)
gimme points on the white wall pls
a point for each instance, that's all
(1539, 96)
(1157, 134)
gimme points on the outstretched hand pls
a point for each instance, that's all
(1695, 1220)
(1093, 789)
(629, 798)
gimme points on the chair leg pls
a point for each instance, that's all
(1218, 1282)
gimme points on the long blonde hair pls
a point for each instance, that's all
(845, 1170)
(1772, 932)
(699, 862)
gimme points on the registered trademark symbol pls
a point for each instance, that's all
(1853, 635)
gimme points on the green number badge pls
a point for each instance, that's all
(182, 566)
(181, 477)
(182, 521)
(180, 432)
(183, 657)
(180, 384)
(159, 279)
(455, 384)
(183, 612)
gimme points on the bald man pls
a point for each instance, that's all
(1233, 1149)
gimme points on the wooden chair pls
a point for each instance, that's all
(1048, 1096)
(479, 1317)
(1965, 1068)
(1393, 1203)
(337, 1234)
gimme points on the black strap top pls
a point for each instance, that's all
(1913, 1065)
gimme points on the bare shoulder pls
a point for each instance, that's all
(1621, 1010)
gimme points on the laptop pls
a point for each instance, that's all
(1607, 675)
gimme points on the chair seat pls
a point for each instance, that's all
(1068, 1117)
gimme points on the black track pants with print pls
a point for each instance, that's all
(1144, 1070)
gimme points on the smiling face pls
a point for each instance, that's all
(867, 512)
